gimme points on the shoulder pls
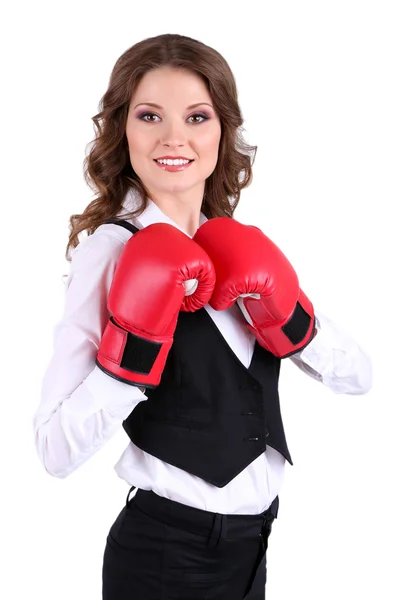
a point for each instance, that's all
(103, 246)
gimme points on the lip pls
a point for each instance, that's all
(173, 168)
(173, 158)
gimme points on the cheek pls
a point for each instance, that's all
(135, 144)
(211, 142)
(216, 137)
(138, 141)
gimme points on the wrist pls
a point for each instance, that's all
(135, 358)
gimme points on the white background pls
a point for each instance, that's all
(324, 91)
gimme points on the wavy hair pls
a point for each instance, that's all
(107, 167)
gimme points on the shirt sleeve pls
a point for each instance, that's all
(80, 406)
(334, 358)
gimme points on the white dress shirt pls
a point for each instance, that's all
(81, 407)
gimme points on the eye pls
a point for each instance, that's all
(149, 114)
(203, 117)
(142, 117)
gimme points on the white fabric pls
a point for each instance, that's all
(81, 407)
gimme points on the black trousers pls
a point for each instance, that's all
(158, 549)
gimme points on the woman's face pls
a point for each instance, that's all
(171, 114)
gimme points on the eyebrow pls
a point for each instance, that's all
(161, 107)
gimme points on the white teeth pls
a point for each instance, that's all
(168, 161)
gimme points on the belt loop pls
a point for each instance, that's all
(218, 531)
(269, 516)
(129, 493)
(276, 504)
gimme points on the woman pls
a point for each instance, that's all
(176, 319)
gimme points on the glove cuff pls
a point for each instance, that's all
(134, 357)
(291, 337)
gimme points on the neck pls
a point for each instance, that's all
(185, 215)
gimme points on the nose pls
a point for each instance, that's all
(173, 134)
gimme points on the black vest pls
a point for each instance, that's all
(210, 415)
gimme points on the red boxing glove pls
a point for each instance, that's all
(251, 269)
(145, 298)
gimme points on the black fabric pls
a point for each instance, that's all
(159, 548)
(124, 224)
(139, 354)
(297, 327)
(210, 415)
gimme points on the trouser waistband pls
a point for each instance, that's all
(206, 523)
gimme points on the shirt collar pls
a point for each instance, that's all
(152, 213)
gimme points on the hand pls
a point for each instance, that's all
(251, 269)
(146, 295)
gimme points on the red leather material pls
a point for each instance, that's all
(248, 262)
(146, 295)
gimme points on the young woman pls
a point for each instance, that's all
(175, 323)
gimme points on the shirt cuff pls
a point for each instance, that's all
(335, 358)
(116, 397)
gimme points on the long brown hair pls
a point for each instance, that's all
(107, 168)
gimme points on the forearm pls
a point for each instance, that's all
(68, 430)
(336, 359)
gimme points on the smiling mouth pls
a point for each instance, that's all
(161, 163)
(173, 168)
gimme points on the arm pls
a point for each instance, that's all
(334, 358)
(80, 406)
